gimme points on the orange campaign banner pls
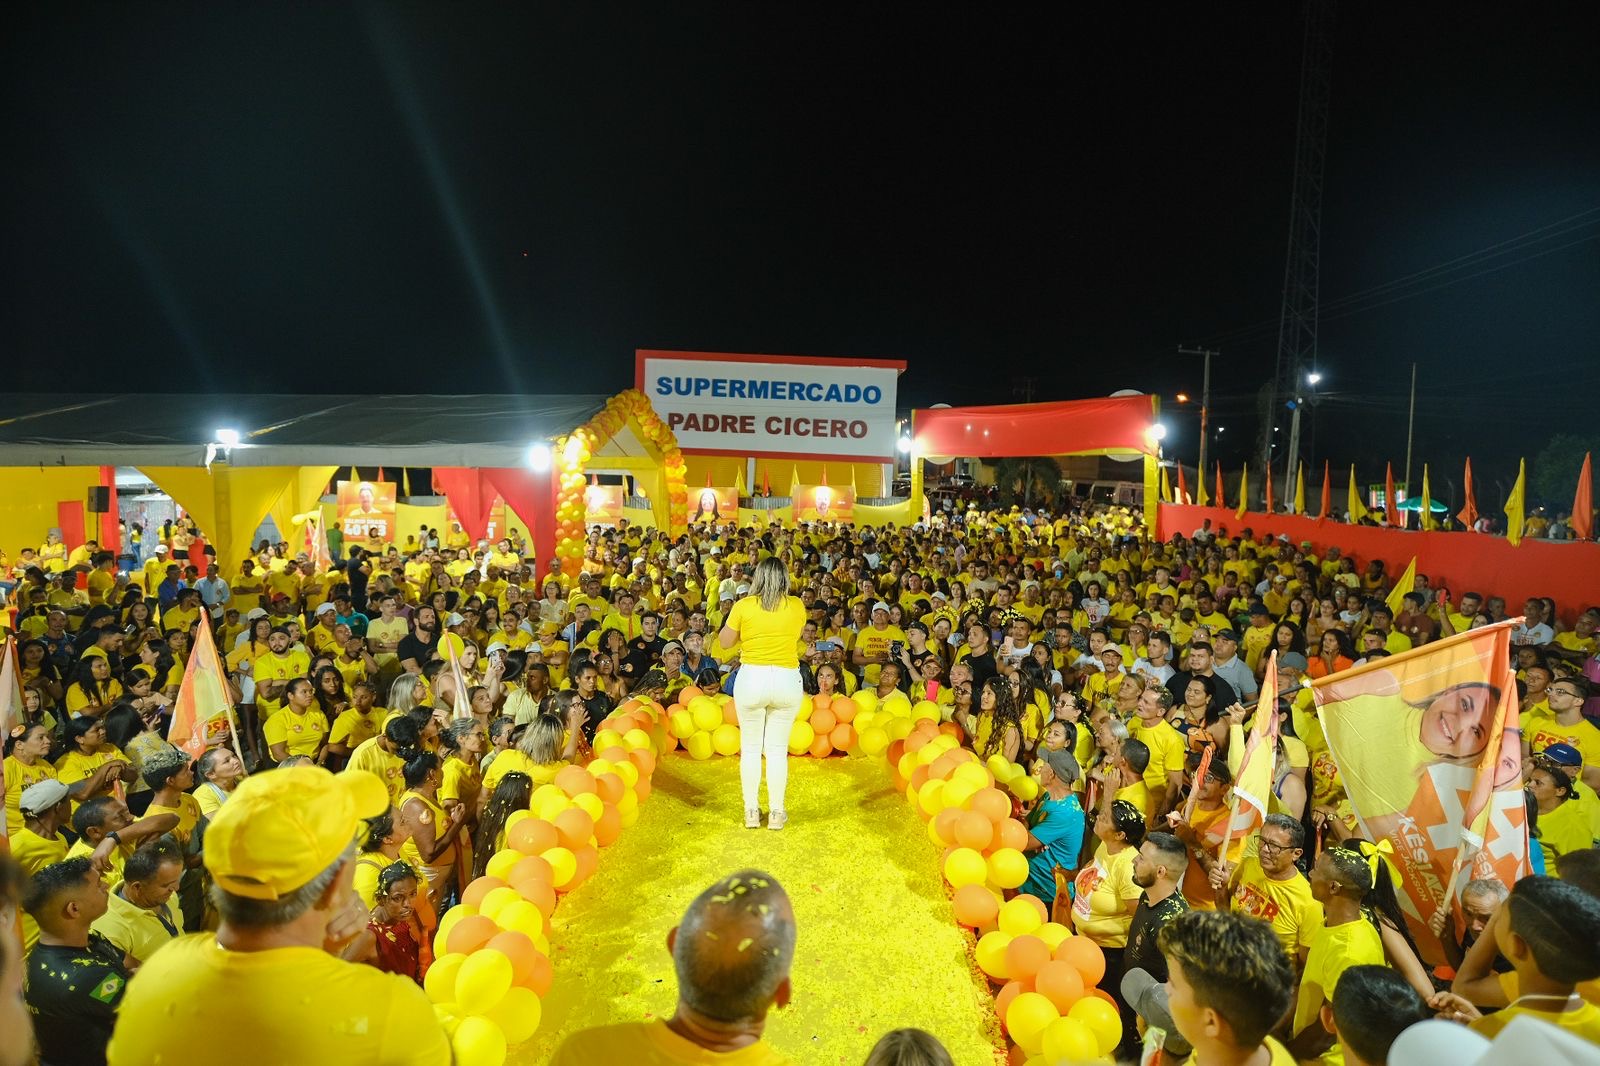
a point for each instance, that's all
(202, 714)
(716, 503)
(1430, 749)
(602, 505)
(824, 503)
(364, 506)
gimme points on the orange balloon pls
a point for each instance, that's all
(974, 831)
(588, 858)
(1060, 983)
(540, 975)
(532, 868)
(689, 693)
(975, 905)
(730, 713)
(944, 823)
(608, 826)
(481, 887)
(893, 752)
(532, 836)
(917, 741)
(1013, 834)
(822, 720)
(574, 827)
(610, 788)
(574, 780)
(643, 788)
(992, 804)
(540, 894)
(1085, 956)
(843, 737)
(519, 949)
(1038, 906)
(950, 729)
(643, 761)
(614, 754)
(821, 747)
(943, 766)
(844, 708)
(920, 775)
(1026, 955)
(1100, 993)
(1011, 991)
(470, 934)
(822, 701)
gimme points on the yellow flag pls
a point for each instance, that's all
(1407, 582)
(1166, 487)
(1357, 509)
(1200, 499)
(1244, 490)
(1300, 490)
(1427, 502)
(1515, 504)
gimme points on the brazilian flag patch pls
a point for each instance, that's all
(108, 990)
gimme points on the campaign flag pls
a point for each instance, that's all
(365, 508)
(11, 710)
(1244, 490)
(1221, 500)
(1583, 502)
(462, 704)
(1252, 782)
(1516, 505)
(1327, 490)
(1427, 502)
(1391, 503)
(1407, 582)
(1183, 486)
(1469, 511)
(202, 715)
(1300, 490)
(1357, 509)
(1415, 736)
(1166, 488)
(1269, 499)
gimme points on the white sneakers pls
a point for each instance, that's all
(775, 820)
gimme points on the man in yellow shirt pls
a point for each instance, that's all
(732, 953)
(873, 643)
(1228, 983)
(1269, 886)
(282, 855)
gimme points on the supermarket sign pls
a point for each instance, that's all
(782, 406)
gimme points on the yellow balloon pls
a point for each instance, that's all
(1017, 917)
(933, 834)
(966, 867)
(628, 815)
(607, 738)
(806, 707)
(907, 763)
(1068, 1040)
(1008, 868)
(635, 740)
(598, 767)
(496, 901)
(681, 724)
(520, 917)
(563, 865)
(991, 953)
(628, 803)
(865, 700)
(518, 1014)
(899, 728)
(501, 862)
(483, 980)
(1052, 934)
(590, 804)
(628, 772)
(1025, 788)
(480, 1042)
(1026, 1019)
(699, 745)
(440, 983)
(706, 713)
(925, 710)
(873, 741)
(725, 739)
(971, 773)
(1101, 1019)
(958, 792)
(931, 798)
(448, 920)
(449, 1017)
(800, 737)
(864, 720)
(926, 754)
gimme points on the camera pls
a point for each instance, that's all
(897, 648)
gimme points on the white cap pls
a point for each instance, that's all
(497, 645)
(161, 549)
(743, 590)
(325, 608)
(880, 606)
(454, 619)
(255, 612)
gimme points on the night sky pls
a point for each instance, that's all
(441, 198)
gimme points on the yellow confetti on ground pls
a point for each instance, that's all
(878, 948)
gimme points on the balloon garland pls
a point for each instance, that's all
(577, 448)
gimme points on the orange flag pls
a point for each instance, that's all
(1221, 496)
(1327, 491)
(1183, 488)
(1391, 505)
(1253, 778)
(202, 715)
(1469, 511)
(1269, 488)
(1583, 503)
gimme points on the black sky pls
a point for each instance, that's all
(454, 198)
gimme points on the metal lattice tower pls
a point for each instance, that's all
(1297, 323)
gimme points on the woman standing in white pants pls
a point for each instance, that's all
(766, 694)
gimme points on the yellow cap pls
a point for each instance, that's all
(96, 651)
(282, 828)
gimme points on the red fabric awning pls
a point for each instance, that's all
(1063, 428)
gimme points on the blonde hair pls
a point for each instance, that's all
(543, 739)
(770, 584)
(909, 1047)
(403, 693)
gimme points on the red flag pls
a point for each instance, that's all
(1269, 489)
(1391, 506)
(824, 473)
(1327, 492)
(1469, 512)
(1583, 503)
(1183, 487)
(1220, 494)
(202, 715)
(766, 481)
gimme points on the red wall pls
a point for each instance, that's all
(1566, 571)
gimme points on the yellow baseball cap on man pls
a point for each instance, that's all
(282, 828)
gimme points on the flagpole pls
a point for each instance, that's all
(1411, 425)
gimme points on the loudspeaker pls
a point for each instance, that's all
(99, 499)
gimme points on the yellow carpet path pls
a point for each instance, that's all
(877, 948)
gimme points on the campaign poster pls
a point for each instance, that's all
(602, 505)
(714, 505)
(364, 506)
(824, 503)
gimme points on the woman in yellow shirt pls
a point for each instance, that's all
(548, 744)
(1563, 826)
(88, 751)
(1105, 895)
(433, 829)
(93, 689)
(767, 689)
(465, 743)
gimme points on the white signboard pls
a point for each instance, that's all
(788, 407)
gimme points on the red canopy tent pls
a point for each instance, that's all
(1101, 426)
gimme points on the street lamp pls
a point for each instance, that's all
(539, 457)
(228, 438)
(904, 445)
(1313, 377)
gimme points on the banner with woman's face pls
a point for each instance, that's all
(824, 503)
(602, 505)
(719, 503)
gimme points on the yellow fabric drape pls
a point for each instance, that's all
(300, 495)
(228, 503)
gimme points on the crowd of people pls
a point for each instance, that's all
(395, 706)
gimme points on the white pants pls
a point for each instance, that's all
(767, 699)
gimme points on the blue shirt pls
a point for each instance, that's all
(1058, 825)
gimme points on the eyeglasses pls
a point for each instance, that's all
(1265, 846)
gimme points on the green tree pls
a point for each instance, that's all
(1027, 479)
(1553, 473)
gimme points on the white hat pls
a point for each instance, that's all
(497, 645)
(255, 612)
(743, 590)
(454, 619)
(161, 549)
(880, 606)
(325, 608)
(1524, 1039)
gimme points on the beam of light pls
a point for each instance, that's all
(389, 46)
(539, 456)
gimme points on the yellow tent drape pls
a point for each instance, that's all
(301, 495)
(227, 503)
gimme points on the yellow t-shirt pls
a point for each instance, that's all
(207, 798)
(1104, 888)
(1137, 794)
(1564, 830)
(302, 733)
(358, 1014)
(1334, 949)
(373, 759)
(77, 699)
(461, 781)
(34, 852)
(1167, 750)
(1287, 906)
(137, 931)
(653, 1044)
(1542, 730)
(512, 759)
(188, 812)
(767, 638)
(352, 728)
(75, 766)
(873, 641)
(1583, 1022)
(20, 778)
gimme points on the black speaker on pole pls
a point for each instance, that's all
(99, 499)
